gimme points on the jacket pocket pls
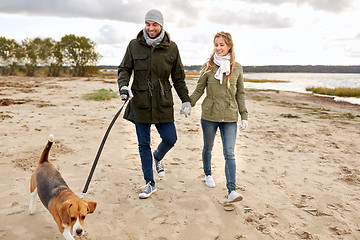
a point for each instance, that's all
(233, 109)
(167, 98)
(168, 60)
(141, 97)
(207, 106)
(140, 62)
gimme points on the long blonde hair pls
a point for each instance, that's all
(210, 65)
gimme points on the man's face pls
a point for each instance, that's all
(153, 29)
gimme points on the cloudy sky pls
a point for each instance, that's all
(265, 32)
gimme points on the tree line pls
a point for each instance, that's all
(71, 55)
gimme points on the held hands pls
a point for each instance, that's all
(185, 109)
(125, 93)
(244, 125)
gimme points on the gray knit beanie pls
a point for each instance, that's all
(155, 16)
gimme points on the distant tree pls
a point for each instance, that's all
(9, 54)
(34, 55)
(37, 53)
(78, 53)
(193, 68)
(19, 56)
(32, 50)
(30, 59)
(56, 60)
(46, 51)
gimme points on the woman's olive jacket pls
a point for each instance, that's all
(152, 67)
(221, 104)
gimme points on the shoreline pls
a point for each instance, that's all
(309, 95)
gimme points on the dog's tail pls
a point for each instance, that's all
(45, 154)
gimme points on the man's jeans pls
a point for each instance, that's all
(168, 136)
(228, 136)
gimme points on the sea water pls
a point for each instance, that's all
(298, 82)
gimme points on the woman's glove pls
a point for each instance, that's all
(185, 109)
(125, 93)
(244, 125)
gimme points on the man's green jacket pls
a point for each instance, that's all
(151, 87)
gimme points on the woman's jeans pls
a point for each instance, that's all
(228, 137)
(168, 136)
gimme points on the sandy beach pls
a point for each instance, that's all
(297, 167)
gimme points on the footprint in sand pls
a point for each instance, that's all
(228, 207)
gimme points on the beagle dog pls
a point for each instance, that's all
(68, 210)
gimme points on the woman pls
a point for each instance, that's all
(225, 100)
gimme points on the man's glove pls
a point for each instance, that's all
(125, 93)
(185, 109)
(244, 125)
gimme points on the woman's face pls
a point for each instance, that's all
(152, 28)
(221, 48)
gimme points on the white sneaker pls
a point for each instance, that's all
(234, 197)
(209, 181)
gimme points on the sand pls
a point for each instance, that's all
(297, 167)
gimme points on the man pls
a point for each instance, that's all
(153, 57)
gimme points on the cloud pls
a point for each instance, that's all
(250, 18)
(202, 38)
(109, 35)
(352, 52)
(127, 11)
(183, 13)
(276, 48)
(107, 9)
(334, 6)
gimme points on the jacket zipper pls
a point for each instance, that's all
(150, 85)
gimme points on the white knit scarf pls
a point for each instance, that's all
(224, 66)
(153, 42)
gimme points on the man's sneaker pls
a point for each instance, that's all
(209, 181)
(159, 167)
(148, 190)
(234, 197)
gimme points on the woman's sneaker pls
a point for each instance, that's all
(159, 167)
(234, 197)
(209, 181)
(148, 190)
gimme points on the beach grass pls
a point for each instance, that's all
(340, 92)
(101, 95)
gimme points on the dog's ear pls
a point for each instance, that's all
(91, 206)
(65, 212)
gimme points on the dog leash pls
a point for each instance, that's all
(100, 150)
